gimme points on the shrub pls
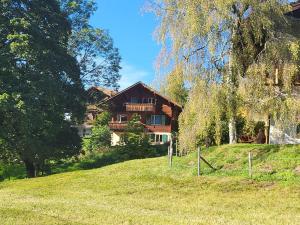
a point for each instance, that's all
(100, 136)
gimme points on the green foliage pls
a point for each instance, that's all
(12, 171)
(175, 87)
(113, 155)
(97, 57)
(204, 116)
(39, 83)
(134, 136)
(235, 44)
(101, 135)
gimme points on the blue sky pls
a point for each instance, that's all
(132, 32)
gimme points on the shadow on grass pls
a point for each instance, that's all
(100, 159)
(85, 162)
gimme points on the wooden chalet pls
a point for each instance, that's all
(158, 114)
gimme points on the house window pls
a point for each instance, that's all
(159, 138)
(134, 100)
(158, 120)
(152, 138)
(121, 118)
(148, 100)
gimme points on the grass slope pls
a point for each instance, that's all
(270, 162)
(149, 192)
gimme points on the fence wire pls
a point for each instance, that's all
(259, 166)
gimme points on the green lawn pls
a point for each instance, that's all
(149, 192)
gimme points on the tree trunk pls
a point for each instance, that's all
(232, 131)
(30, 168)
(232, 99)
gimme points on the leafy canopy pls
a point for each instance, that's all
(39, 83)
(232, 45)
(93, 48)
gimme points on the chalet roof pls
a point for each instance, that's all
(295, 10)
(105, 91)
(147, 87)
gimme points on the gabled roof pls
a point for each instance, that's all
(147, 87)
(295, 10)
(105, 91)
(296, 5)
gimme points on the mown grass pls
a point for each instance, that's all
(148, 191)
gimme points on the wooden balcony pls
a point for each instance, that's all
(117, 126)
(140, 107)
(158, 128)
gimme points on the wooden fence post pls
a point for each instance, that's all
(250, 164)
(198, 161)
(171, 152)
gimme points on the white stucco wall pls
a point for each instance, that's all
(287, 136)
(115, 138)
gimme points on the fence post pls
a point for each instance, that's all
(171, 152)
(198, 161)
(250, 164)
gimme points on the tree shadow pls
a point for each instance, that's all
(115, 155)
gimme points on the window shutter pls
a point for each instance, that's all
(163, 120)
(164, 138)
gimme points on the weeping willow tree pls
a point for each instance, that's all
(271, 88)
(195, 127)
(224, 43)
(174, 85)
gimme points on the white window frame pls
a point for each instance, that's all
(120, 116)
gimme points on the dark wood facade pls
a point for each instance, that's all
(157, 113)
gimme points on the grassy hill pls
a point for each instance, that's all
(270, 162)
(148, 191)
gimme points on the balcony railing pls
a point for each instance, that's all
(158, 128)
(117, 125)
(140, 107)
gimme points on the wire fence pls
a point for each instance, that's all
(251, 166)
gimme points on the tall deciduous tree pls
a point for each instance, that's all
(98, 59)
(39, 83)
(174, 86)
(223, 42)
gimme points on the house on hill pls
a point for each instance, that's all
(158, 114)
